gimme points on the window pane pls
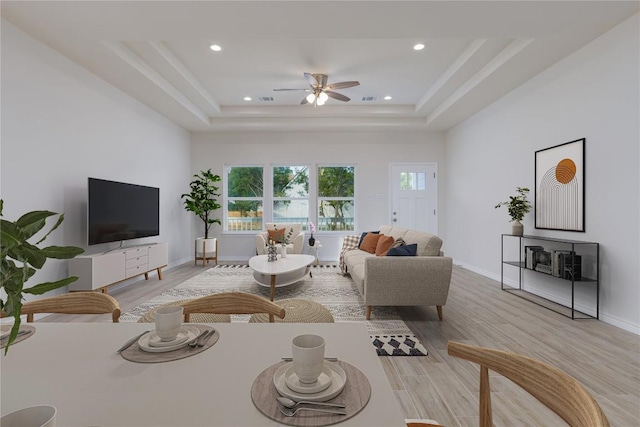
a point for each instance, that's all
(336, 181)
(291, 211)
(244, 215)
(413, 180)
(335, 215)
(290, 181)
(244, 181)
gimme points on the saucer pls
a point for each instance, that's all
(155, 341)
(338, 381)
(144, 345)
(322, 383)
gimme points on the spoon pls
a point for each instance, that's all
(288, 403)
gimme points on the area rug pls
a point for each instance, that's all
(389, 334)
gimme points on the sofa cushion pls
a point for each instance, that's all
(276, 235)
(395, 232)
(364, 234)
(428, 244)
(384, 244)
(404, 250)
(369, 243)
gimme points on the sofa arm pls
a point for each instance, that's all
(298, 243)
(421, 280)
(261, 242)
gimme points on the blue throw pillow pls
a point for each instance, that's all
(364, 234)
(404, 250)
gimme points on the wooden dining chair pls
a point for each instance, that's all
(555, 389)
(232, 303)
(73, 303)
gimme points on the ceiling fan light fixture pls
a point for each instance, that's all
(322, 97)
(311, 98)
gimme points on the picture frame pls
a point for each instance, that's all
(559, 197)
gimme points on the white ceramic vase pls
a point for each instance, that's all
(283, 251)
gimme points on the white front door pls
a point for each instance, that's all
(414, 196)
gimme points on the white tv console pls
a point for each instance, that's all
(99, 271)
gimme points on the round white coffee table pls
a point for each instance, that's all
(282, 272)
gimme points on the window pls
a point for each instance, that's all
(413, 181)
(291, 194)
(336, 201)
(245, 198)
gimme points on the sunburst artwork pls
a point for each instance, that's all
(560, 189)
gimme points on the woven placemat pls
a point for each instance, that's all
(149, 316)
(297, 311)
(135, 354)
(30, 332)
(356, 395)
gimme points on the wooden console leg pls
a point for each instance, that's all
(368, 312)
(439, 308)
(159, 273)
(146, 276)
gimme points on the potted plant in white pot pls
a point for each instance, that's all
(21, 259)
(517, 206)
(202, 201)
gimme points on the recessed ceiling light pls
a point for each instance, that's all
(386, 98)
(418, 46)
(215, 48)
(247, 98)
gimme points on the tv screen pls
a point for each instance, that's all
(118, 211)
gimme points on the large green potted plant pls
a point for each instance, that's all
(21, 259)
(517, 207)
(202, 201)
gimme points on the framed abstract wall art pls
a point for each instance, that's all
(559, 184)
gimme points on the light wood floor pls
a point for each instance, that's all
(605, 359)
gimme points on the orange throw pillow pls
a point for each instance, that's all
(369, 243)
(384, 244)
(276, 235)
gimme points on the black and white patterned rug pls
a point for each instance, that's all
(389, 334)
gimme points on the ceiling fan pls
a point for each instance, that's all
(321, 91)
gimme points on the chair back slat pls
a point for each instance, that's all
(555, 389)
(232, 303)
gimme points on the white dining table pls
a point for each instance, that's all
(75, 367)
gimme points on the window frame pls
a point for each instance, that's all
(227, 198)
(352, 199)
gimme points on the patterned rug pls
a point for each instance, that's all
(389, 334)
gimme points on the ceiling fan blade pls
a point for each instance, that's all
(338, 96)
(311, 79)
(276, 90)
(304, 101)
(343, 85)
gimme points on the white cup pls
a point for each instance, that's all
(308, 357)
(34, 416)
(168, 322)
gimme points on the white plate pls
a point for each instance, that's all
(143, 342)
(322, 383)
(5, 330)
(155, 341)
(338, 380)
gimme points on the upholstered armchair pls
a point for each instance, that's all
(296, 239)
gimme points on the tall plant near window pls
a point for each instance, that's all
(202, 198)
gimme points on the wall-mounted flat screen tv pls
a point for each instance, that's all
(119, 211)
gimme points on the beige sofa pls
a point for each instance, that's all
(296, 239)
(402, 280)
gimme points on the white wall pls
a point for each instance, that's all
(62, 124)
(370, 152)
(592, 94)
